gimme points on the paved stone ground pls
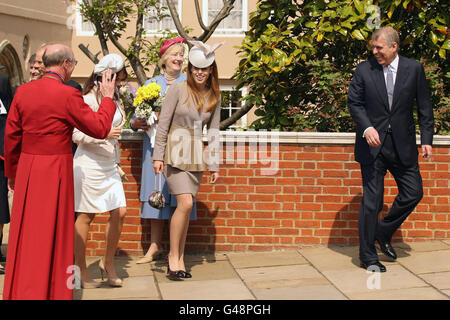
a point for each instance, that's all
(421, 272)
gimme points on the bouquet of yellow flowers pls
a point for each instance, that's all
(147, 99)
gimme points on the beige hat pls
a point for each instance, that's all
(110, 61)
(201, 54)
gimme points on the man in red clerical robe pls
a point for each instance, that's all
(38, 152)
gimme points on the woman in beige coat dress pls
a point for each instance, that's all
(179, 153)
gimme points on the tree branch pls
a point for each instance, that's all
(199, 16)
(89, 54)
(235, 116)
(176, 20)
(223, 13)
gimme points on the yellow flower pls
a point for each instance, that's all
(148, 93)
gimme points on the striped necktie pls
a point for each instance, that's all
(390, 85)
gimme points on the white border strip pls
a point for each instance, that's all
(333, 138)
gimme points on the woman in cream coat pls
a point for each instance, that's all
(98, 185)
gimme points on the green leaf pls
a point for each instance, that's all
(446, 45)
(433, 37)
(359, 5)
(358, 35)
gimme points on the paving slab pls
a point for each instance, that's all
(440, 280)
(265, 259)
(427, 262)
(424, 293)
(281, 276)
(421, 246)
(226, 289)
(125, 267)
(320, 292)
(133, 288)
(332, 258)
(200, 270)
(354, 282)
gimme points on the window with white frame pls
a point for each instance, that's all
(233, 25)
(153, 25)
(83, 27)
(232, 102)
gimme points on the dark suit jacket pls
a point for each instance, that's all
(368, 103)
(6, 97)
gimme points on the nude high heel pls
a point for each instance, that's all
(113, 282)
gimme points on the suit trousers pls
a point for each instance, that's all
(410, 192)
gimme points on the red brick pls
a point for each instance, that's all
(286, 231)
(240, 239)
(307, 224)
(287, 198)
(336, 157)
(260, 197)
(267, 223)
(220, 197)
(261, 181)
(241, 172)
(260, 231)
(267, 206)
(309, 156)
(329, 182)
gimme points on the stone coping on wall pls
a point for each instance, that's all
(337, 138)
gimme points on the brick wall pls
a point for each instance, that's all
(304, 189)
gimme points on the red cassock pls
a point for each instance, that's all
(38, 152)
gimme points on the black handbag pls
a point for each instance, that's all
(156, 198)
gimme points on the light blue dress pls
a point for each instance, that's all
(148, 176)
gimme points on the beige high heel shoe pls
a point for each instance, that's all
(153, 257)
(90, 284)
(113, 282)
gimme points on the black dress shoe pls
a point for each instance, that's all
(387, 249)
(373, 266)
(2, 270)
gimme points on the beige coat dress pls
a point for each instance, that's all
(179, 142)
(97, 183)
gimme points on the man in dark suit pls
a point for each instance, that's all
(381, 100)
(5, 102)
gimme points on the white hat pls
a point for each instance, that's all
(110, 61)
(201, 54)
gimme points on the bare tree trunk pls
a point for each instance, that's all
(235, 116)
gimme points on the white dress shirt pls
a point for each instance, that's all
(394, 67)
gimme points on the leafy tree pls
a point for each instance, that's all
(298, 56)
(112, 18)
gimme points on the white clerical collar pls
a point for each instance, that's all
(2, 108)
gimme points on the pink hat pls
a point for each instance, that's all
(170, 42)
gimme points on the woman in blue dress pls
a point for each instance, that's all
(171, 62)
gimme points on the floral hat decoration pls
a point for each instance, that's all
(202, 55)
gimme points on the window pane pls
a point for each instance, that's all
(88, 26)
(231, 23)
(215, 4)
(151, 22)
(234, 20)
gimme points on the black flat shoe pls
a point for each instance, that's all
(175, 275)
(373, 266)
(186, 274)
(387, 249)
(2, 270)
